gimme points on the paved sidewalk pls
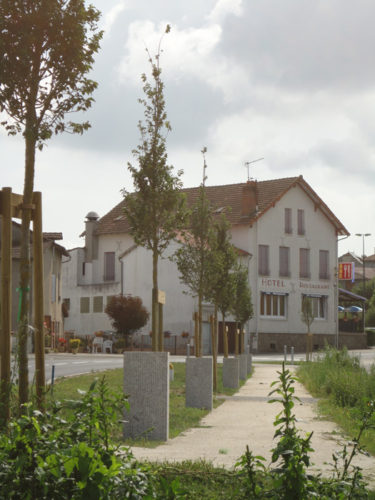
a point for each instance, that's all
(247, 418)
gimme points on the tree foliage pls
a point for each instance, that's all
(242, 307)
(221, 277)
(47, 48)
(156, 210)
(223, 258)
(127, 314)
(369, 289)
(193, 255)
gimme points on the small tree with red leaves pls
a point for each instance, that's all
(127, 314)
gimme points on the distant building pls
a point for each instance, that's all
(53, 253)
(285, 235)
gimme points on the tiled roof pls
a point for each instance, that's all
(228, 198)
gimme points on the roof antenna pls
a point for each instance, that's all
(204, 151)
(247, 165)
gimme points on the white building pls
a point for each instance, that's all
(285, 234)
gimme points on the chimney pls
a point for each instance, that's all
(249, 202)
(91, 241)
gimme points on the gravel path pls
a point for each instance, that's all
(247, 418)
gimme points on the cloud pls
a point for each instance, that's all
(111, 16)
(187, 54)
(223, 8)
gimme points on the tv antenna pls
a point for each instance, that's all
(247, 165)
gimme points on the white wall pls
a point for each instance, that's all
(137, 280)
(320, 234)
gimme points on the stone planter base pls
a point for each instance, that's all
(243, 366)
(199, 380)
(231, 373)
(146, 381)
(249, 363)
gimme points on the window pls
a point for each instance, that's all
(319, 305)
(288, 221)
(284, 259)
(301, 222)
(109, 266)
(83, 268)
(85, 305)
(304, 263)
(109, 297)
(323, 264)
(273, 304)
(98, 304)
(263, 264)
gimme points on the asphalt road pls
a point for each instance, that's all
(67, 365)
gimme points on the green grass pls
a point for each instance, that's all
(344, 389)
(199, 480)
(180, 417)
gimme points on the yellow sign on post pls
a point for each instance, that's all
(161, 297)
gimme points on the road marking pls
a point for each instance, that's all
(79, 362)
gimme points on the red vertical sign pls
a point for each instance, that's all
(346, 270)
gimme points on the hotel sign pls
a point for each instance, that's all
(346, 271)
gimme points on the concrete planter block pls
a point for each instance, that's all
(249, 363)
(146, 381)
(199, 380)
(243, 366)
(231, 372)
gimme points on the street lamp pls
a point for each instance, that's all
(363, 257)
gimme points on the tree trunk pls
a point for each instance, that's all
(155, 305)
(200, 299)
(214, 348)
(196, 335)
(25, 267)
(225, 338)
(237, 341)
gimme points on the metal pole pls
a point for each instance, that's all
(285, 353)
(188, 350)
(292, 355)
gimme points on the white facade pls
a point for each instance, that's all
(86, 289)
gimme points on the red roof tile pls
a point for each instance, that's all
(228, 198)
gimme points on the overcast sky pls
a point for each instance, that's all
(290, 81)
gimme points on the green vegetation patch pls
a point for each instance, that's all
(346, 390)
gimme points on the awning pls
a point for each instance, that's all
(347, 296)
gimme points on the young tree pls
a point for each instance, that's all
(242, 308)
(156, 210)
(193, 255)
(307, 316)
(222, 261)
(46, 50)
(127, 314)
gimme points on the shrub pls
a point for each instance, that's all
(45, 457)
